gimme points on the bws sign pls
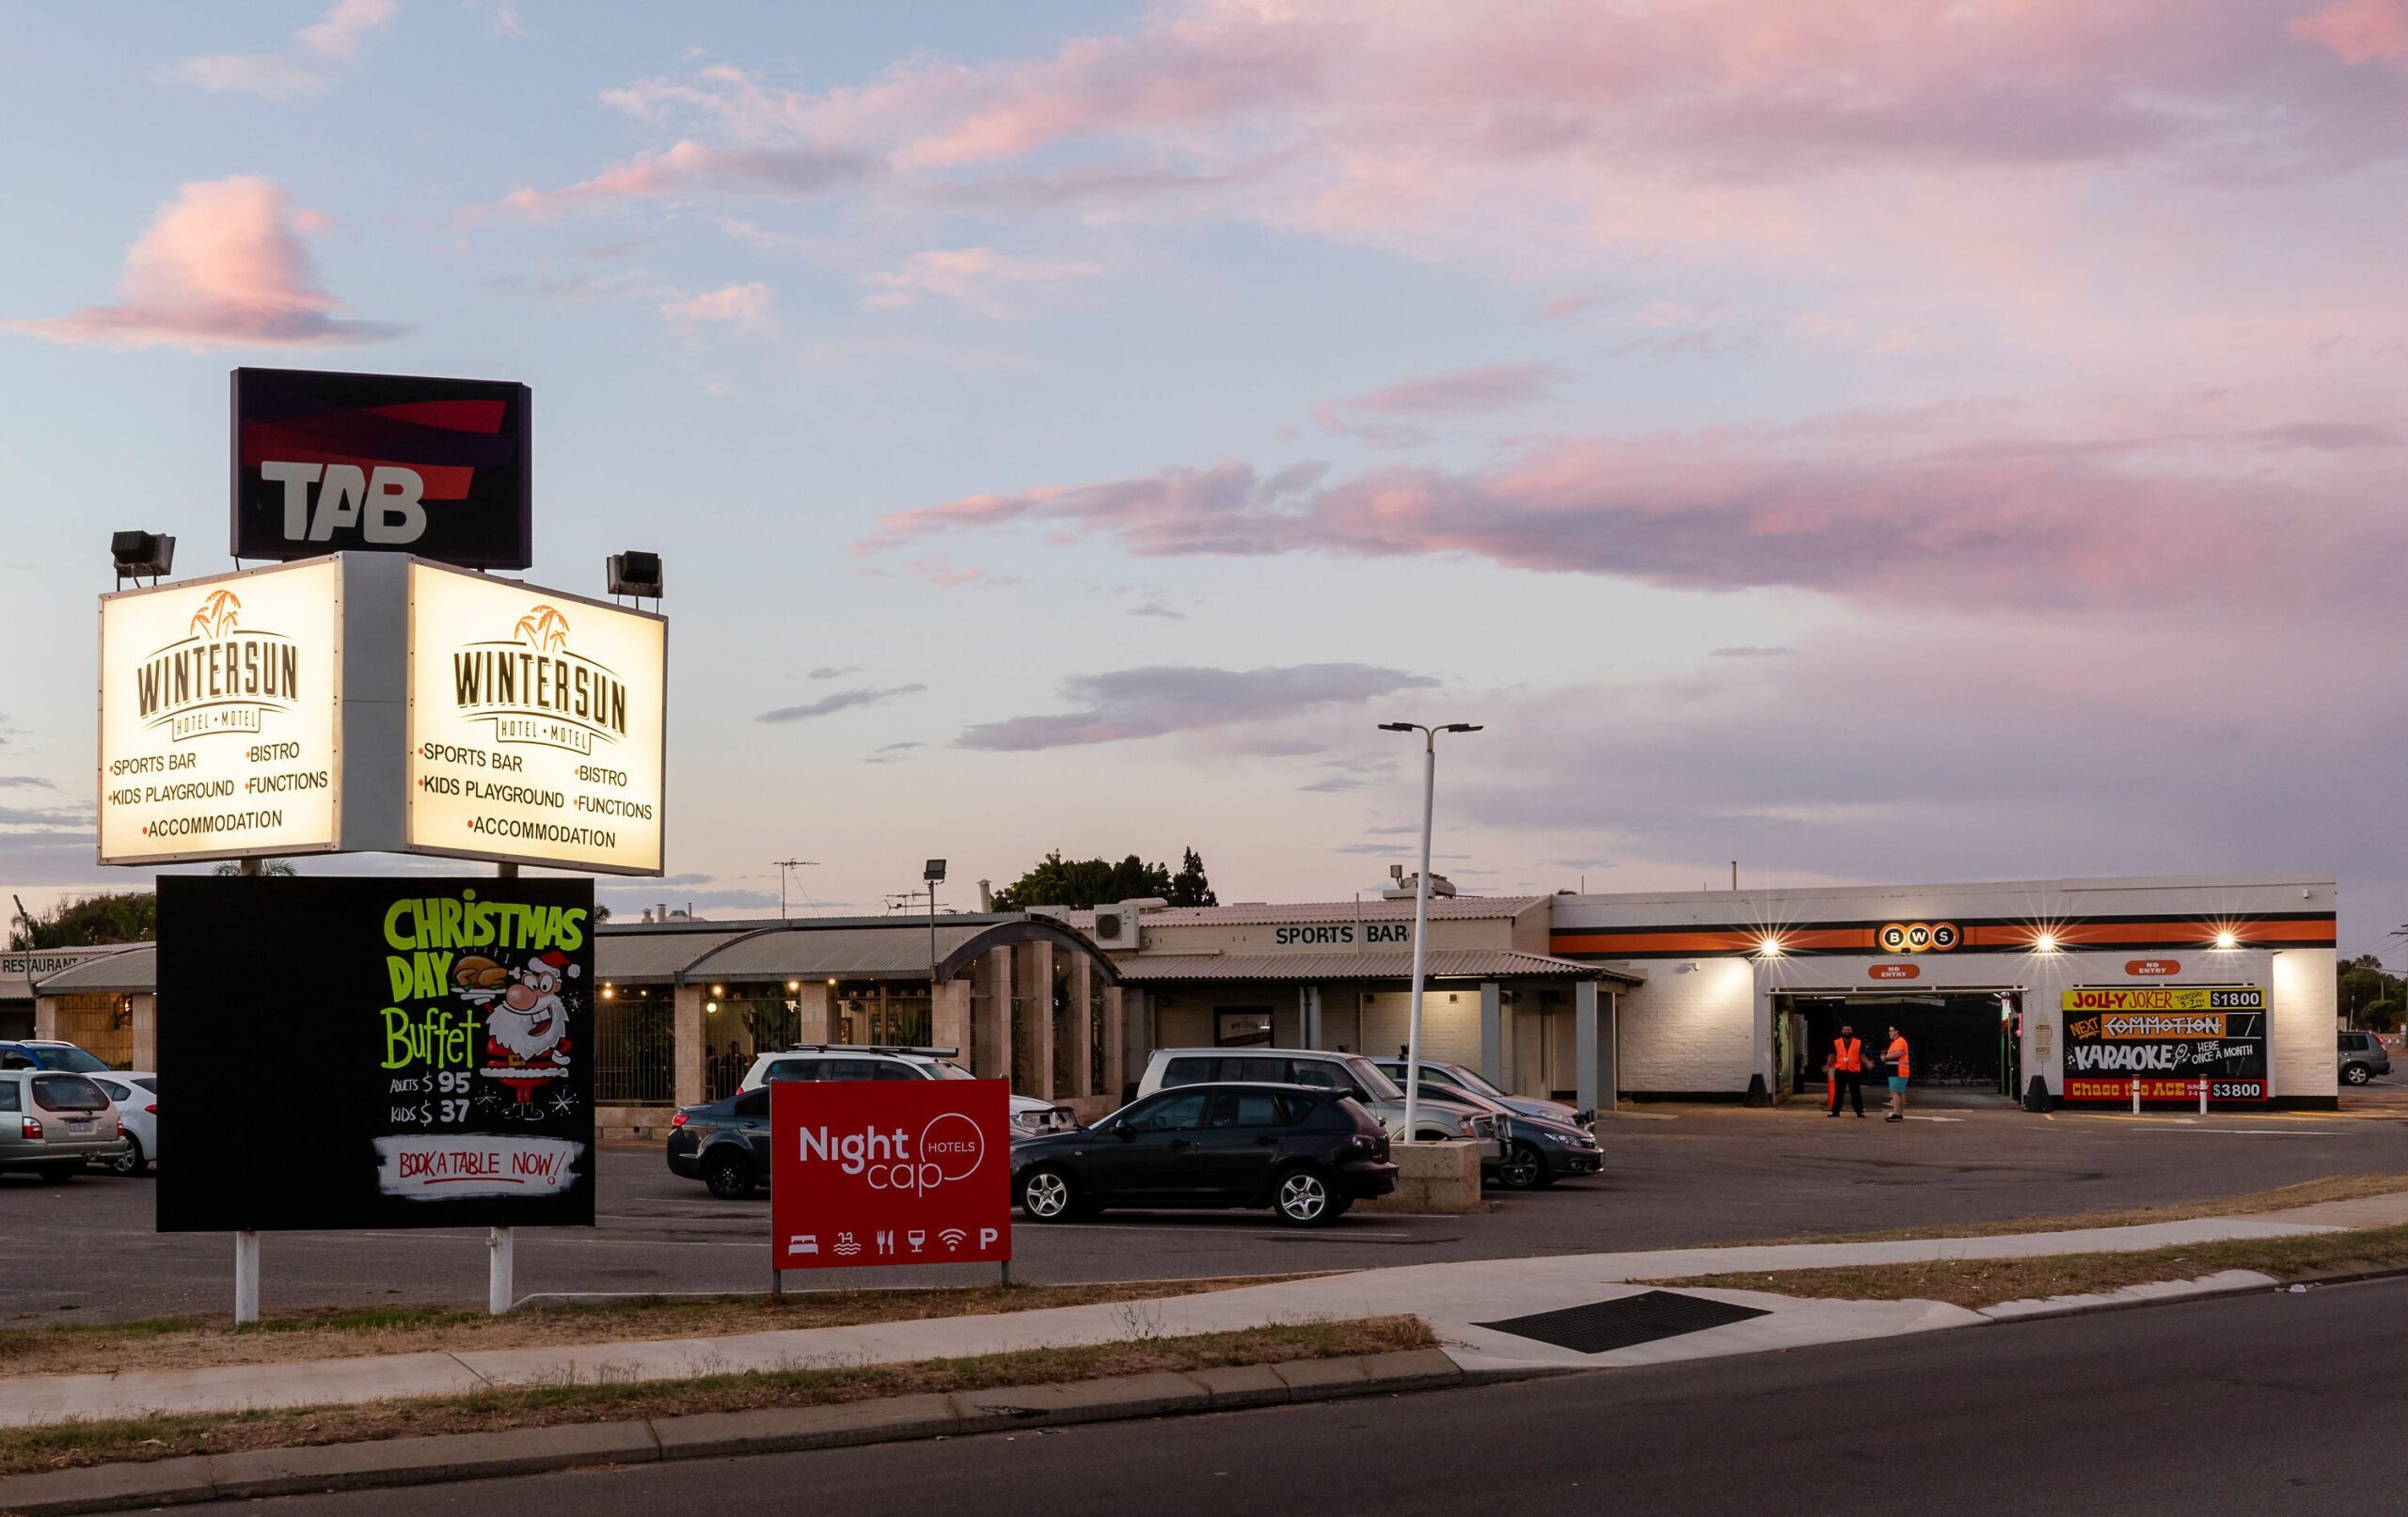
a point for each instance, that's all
(328, 463)
(889, 1172)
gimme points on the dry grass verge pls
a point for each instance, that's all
(1986, 1282)
(2306, 1194)
(82, 1443)
(186, 1343)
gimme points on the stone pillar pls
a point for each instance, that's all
(993, 1041)
(691, 1035)
(1492, 1036)
(1080, 1029)
(813, 1022)
(1034, 1013)
(1138, 1029)
(949, 1019)
(1115, 1041)
(1593, 1035)
(146, 1032)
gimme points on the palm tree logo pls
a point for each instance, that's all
(545, 627)
(217, 614)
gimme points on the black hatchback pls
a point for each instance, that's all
(1305, 1152)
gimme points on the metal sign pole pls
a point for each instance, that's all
(246, 1279)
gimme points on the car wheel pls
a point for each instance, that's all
(728, 1176)
(59, 1174)
(1524, 1168)
(1048, 1196)
(1303, 1198)
(133, 1162)
(2358, 1074)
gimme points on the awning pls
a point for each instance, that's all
(1441, 964)
(856, 948)
(133, 972)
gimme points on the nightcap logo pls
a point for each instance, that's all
(535, 689)
(949, 1149)
(219, 677)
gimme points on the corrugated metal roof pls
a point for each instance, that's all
(1442, 964)
(650, 955)
(1442, 909)
(133, 972)
(853, 952)
(860, 948)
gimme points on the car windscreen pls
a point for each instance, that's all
(1470, 1080)
(947, 1069)
(1376, 1085)
(69, 1093)
(69, 1057)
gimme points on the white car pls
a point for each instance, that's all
(1440, 1118)
(136, 1095)
(854, 1061)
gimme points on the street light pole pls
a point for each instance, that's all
(1420, 912)
(932, 873)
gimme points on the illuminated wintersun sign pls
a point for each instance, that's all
(536, 724)
(219, 715)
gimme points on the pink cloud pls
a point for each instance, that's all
(967, 276)
(221, 266)
(744, 307)
(1925, 519)
(2359, 31)
(692, 168)
(1471, 389)
(308, 67)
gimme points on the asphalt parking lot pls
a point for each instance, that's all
(1676, 1175)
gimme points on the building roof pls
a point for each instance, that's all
(131, 970)
(1441, 964)
(853, 948)
(1257, 913)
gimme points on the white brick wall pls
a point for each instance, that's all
(2302, 1058)
(1692, 1030)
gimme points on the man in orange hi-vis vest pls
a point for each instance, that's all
(1895, 1056)
(1847, 1071)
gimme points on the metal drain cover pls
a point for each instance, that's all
(1604, 1326)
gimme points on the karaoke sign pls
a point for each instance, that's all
(866, 1172)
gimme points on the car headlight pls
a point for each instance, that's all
(1024, 1122)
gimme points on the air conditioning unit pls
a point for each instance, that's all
(1116, 927)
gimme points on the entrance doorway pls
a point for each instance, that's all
(1963, 1041)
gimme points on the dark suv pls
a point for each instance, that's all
(2362, 1057)
(1304, 1151)
(725, 1143)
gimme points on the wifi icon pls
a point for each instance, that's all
(952, 1238)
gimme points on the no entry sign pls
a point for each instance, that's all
(889, 1172)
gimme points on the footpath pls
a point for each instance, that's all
(1479, 1310)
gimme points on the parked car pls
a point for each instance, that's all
(1538, 1152)
(49, 1053)
(1308, 1152)
(2362, 1057)
(1464, 1077)
(860, 1061)
(1440, 1120)
(53, 1123)
(135, 1092)
(724, 1144)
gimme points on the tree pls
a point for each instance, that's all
(1189, 887)
(278, 867)
(1081, 884)
(131, 917)
(2366, 996)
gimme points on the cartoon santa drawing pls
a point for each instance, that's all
(526, 1029)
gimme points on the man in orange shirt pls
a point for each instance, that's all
(1896, 1056)
(1847, 1070)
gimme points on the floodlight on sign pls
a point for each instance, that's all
(934, 873)
(634, 573)
(136, 554)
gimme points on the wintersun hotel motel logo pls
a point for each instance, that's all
(535, 689)
(219, 677)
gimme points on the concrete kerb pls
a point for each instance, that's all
(776, 1429)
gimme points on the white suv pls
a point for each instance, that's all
(1348, 1073)
(858, 1061)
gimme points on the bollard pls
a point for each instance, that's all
(246, 1279)
(500, 1278)
(2137, 1095)
(2203, 1097)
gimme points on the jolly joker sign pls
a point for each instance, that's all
(889, 1172)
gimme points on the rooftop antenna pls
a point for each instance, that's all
(785, 864)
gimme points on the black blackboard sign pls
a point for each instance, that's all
(328, 463)
(350, 1052)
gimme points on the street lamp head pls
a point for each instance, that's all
(1461, 726)
(1397, 726)
(934, 871)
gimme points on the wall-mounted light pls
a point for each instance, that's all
(2228, 938)
(2045, 943)
(794, 985)
(711, 1006)
(719, 989)
(1768, 946)
(609, 993)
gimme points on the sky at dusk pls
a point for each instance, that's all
(1873, 440)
